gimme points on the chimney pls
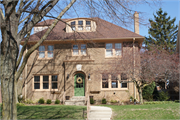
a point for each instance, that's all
(136, 22)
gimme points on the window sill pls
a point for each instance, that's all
(114, 89)
(112, 57)
(45, 90)
(45, 58)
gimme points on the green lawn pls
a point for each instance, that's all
(155, 111)
(50, 112)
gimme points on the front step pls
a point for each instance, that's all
(76, 100)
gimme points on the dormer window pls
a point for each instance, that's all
(73, 25)
(80, 25)
(88, 25)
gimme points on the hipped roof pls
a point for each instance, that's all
(104, 30)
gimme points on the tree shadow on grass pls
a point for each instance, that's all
(49, 112)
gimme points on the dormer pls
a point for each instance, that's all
(80, 25)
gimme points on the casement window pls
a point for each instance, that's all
(124, 80)
(105, 83)
(113, 49)
(36, 82)
(73, 25)
(88, 25)
(54, 81)
(114, 81)
(80, 25)
(45, 82)
(46, 51)
(111, 82)
(79, 49)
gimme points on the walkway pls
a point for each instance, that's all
(100, 113)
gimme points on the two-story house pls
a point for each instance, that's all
(71, 60)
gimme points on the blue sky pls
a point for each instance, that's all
(172, 7)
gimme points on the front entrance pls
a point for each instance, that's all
(79, 84)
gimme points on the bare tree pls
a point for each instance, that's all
(143, 68)
(18, 17)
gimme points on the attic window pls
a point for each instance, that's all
(88, 25)
(73, 25)
(80, 25)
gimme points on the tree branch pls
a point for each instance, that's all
(31, 50)
(22, 50)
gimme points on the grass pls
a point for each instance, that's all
(50, 112)
(154, 111)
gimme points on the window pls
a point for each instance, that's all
(113, 49)
(114, 81)
(117, 49)
(73, 27)
(111, 82)
(80, 25)
(41, 51)
(105, 81)
(46, 51)
(79, 49)
(45, 82)
(109, 49)
(124, 79)
(54, 81)
(36, 82)
(88, 25)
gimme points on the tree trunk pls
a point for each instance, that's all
(140, 96)
(9, 52)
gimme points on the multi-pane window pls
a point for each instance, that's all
(118, 49)
(105, 83)
(50, 51)
(114, 81)
(80, 25)
(75, 50)
(109, 51)
(79, 49)
(45, 82)
(54, 81)
(88, 25)
(36, 82)
(124, 80)
(41, 51)
(113, 49)
(73, 25)
(46, 51)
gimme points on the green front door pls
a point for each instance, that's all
(79, 85)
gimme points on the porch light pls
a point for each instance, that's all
(89, 77)
(67, 76)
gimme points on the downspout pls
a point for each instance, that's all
(134, 68)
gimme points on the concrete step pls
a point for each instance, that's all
(78, 98)
(99, 116)
(74, 103)
(100, 113)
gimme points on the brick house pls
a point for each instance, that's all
(69, 61)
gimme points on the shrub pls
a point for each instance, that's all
(147, 91)
(163, 96)
(113, 101)
(91, 101)
(28, 101)
(20, 104)
(104, 101)
(21, 99)
(57, 101)
(48, 101)
(177, 101)
(41, 101)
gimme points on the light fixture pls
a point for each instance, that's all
(67, 76)
(89, 77)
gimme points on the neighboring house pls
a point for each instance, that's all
(69, 63)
